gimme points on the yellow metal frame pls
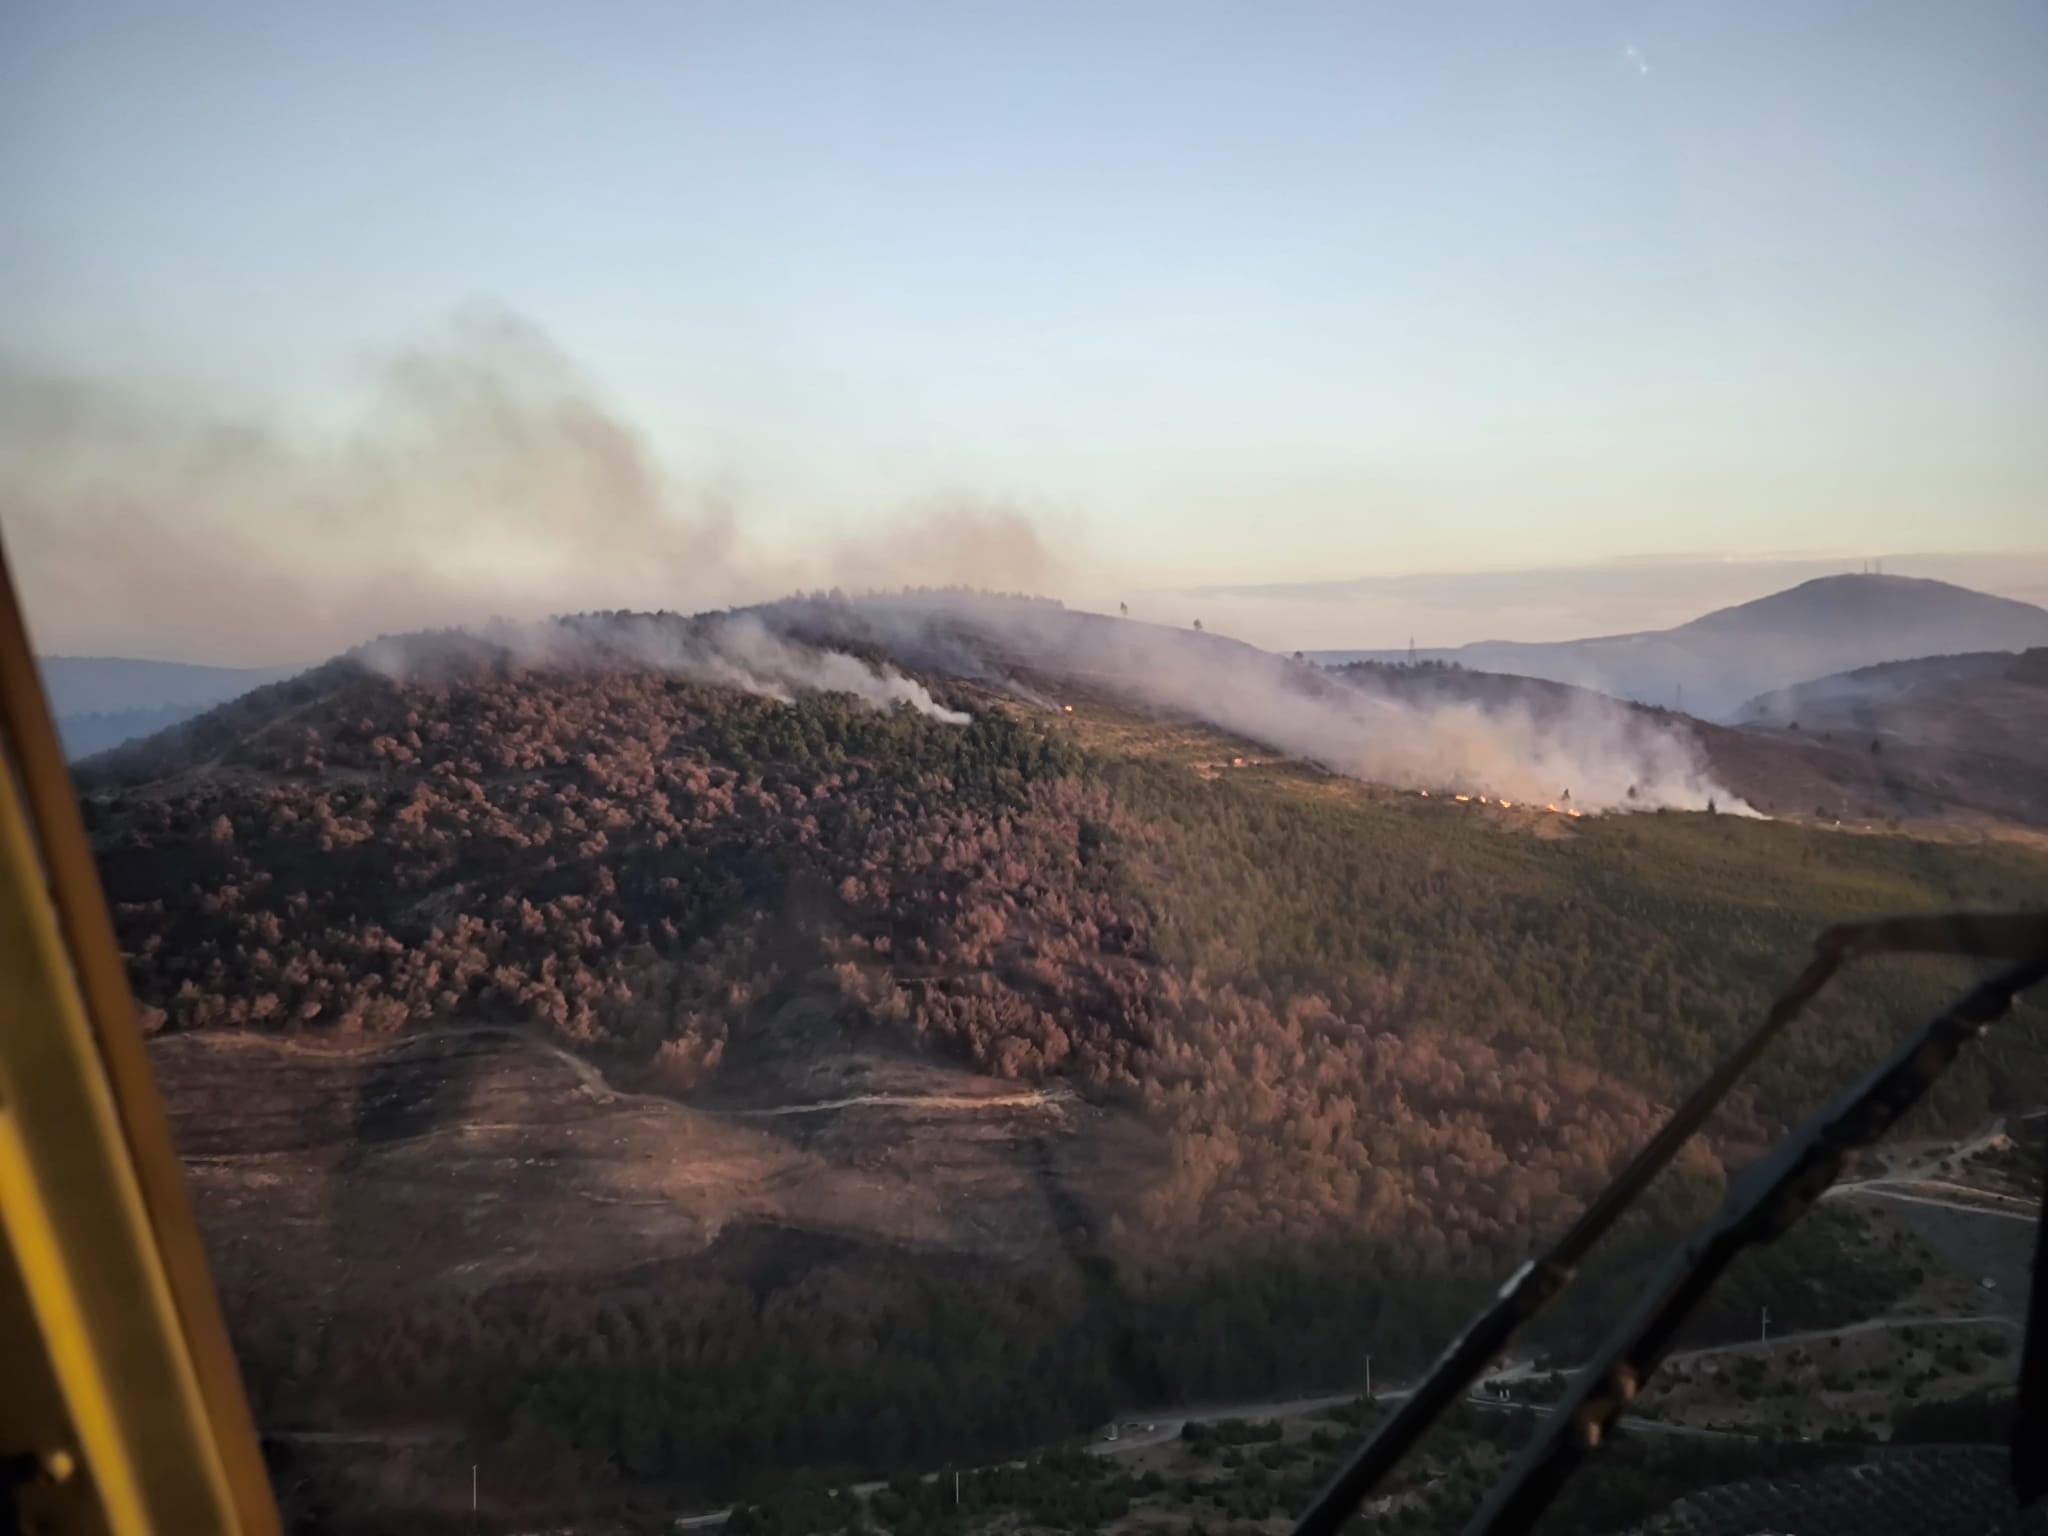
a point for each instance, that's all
(121, 1408)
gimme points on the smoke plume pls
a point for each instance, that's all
(483, 475)
(1606, 754)
(734, 651)
(476, 474)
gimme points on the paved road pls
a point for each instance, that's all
(1920, 1167)
(1872, 1325)
(1997, 1195)
(1880, 1189)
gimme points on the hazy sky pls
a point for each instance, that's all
(1212, 295)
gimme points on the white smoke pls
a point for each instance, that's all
(762, 662)
(1608, 755)
(725, 651)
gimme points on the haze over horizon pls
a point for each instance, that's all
(1328, 327)
(1440, 610)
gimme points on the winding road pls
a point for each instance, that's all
(1880, 1189)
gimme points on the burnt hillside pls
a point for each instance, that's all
(566, 1049)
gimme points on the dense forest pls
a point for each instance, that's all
(651, 872)
(1386, 1043)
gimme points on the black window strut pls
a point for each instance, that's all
(1761, 1204)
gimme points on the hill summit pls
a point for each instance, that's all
(1922, 616)
(1712, 665)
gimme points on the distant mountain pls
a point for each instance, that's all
(102, 730)
(80, 685)
(1713, 665)
(102, 701)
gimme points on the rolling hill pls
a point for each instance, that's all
(1991, 701)
(1714, 664)
(649, 1054)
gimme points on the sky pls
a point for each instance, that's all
(322, 320)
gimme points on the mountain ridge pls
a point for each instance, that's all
(1713, 664)
(99, 702)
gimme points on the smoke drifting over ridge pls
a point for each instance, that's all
(733, 651)
(485, 476)
(1609, 756)
(480, 474)
(1605, 754)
